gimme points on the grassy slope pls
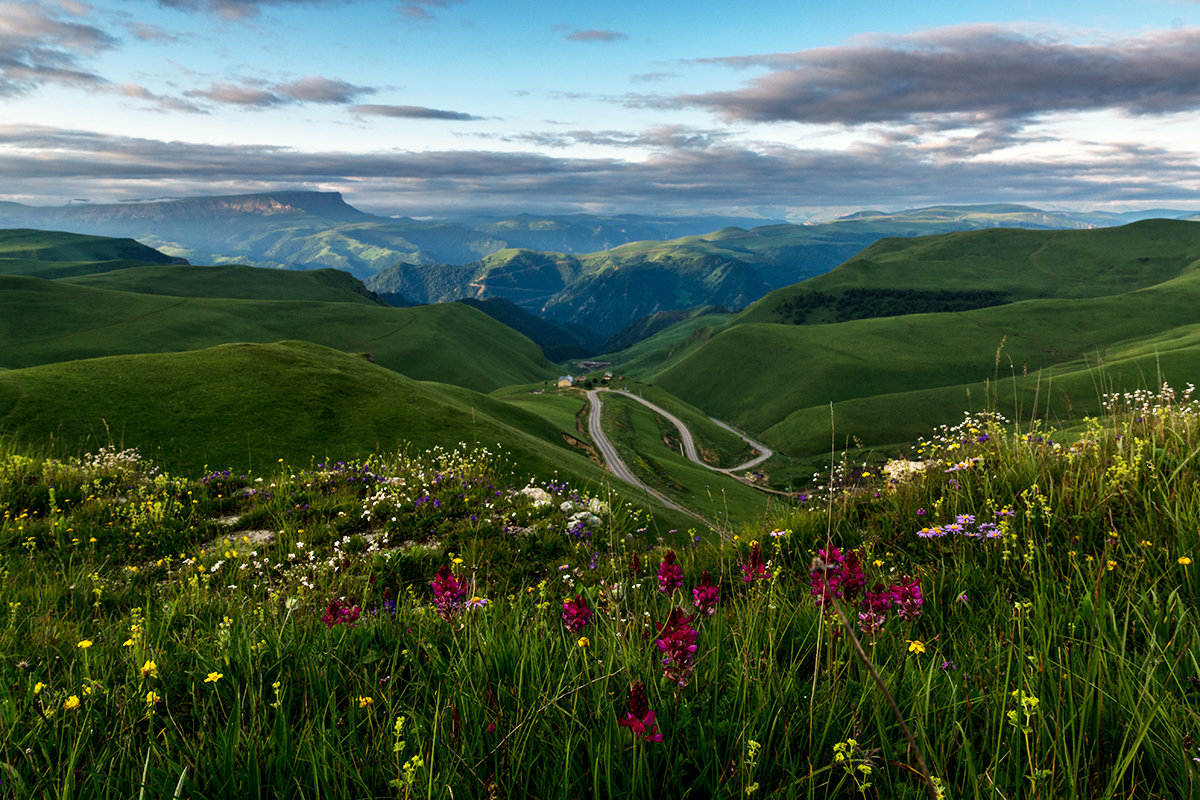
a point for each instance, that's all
(1026, 264)
(757, 374)
(233, 282)
(450, 343)
(245, 404)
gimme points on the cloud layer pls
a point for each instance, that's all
(986, 72)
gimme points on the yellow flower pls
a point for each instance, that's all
(152, 697)
(363, 702)
(85, 644)
(916, 646)
(149, 670)
(878, 562)
(71, 702)
(213, 677)
(1184, 560)
(1112, 565)
(584, 641)
(37, 687)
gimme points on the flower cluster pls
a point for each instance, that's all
(670, 574)
(449, 592)
(576, 614)
(834, 574)
(677, 642)
(754, 568)
(639, 718)
(338, 614)
(706, 595)
(967, 525)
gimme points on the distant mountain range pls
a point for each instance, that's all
(598, 273)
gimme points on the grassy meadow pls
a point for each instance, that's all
(433, 624)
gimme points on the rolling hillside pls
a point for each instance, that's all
(1106, 295)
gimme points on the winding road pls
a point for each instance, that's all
(618, 467)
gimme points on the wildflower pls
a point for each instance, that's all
(449, 591)
(576, 614)
(336, 613)
(149, 670)
(677, 643)
(705, 596)
(584, 642)
(754, 569)
(477, 602)
(71, 702)
(37, 687)
(364, 702)
(635, 564)
(152, 697)
(1184, 560)
(834, 574)
(213, 677)
(640, 719)
(916, 646)
(670, 574)
(84, 644)
(907, 597)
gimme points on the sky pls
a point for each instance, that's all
(440, 108)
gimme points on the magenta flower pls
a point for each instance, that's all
(338, 614)
(640, 719)
(677, 643)
(755, 569)
(576, 614)
(907, 597)
(706, 596)
(449, 592)
(670, 574)
(835, 574)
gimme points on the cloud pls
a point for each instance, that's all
(420, 9)
(153, 33)
(238, 9)
(54, 165)
(411, 112)
(252, 94)
(652, 77)
(321, 90)
(670, 137)
(40, 45)
(978, 72)
(158, 102)
(573, 34)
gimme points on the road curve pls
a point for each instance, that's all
(613, 460)
(689, 443)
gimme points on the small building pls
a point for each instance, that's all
(566, 381)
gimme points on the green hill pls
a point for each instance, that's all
(1109, 292)
(233, 282)
(47, 321)
(54, 254)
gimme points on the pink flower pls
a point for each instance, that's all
(836, 575)
(576, 614)
(670, 574)
(706, 596)
(677, 643)
(449, 592)
(336, 613)
(907, 596)
(755, 569)
(640, 719)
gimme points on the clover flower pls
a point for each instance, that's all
(670, 574)
(835, 574)
(576, 614)
(640, 719)
(754, 568)
(336, 613)
(677, 643)
(705, 595)
(907, 597)
(449, 592)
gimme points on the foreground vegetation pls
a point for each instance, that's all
(427, 625)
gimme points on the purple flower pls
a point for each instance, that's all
(449, 592)
(677, 643)
(670, 574)
(576, 614)
(836, 575)
(706, 596)
(907, 596)
(640, 719)
(755, 569)
(338, 614)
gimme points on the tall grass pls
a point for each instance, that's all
(281, 637)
